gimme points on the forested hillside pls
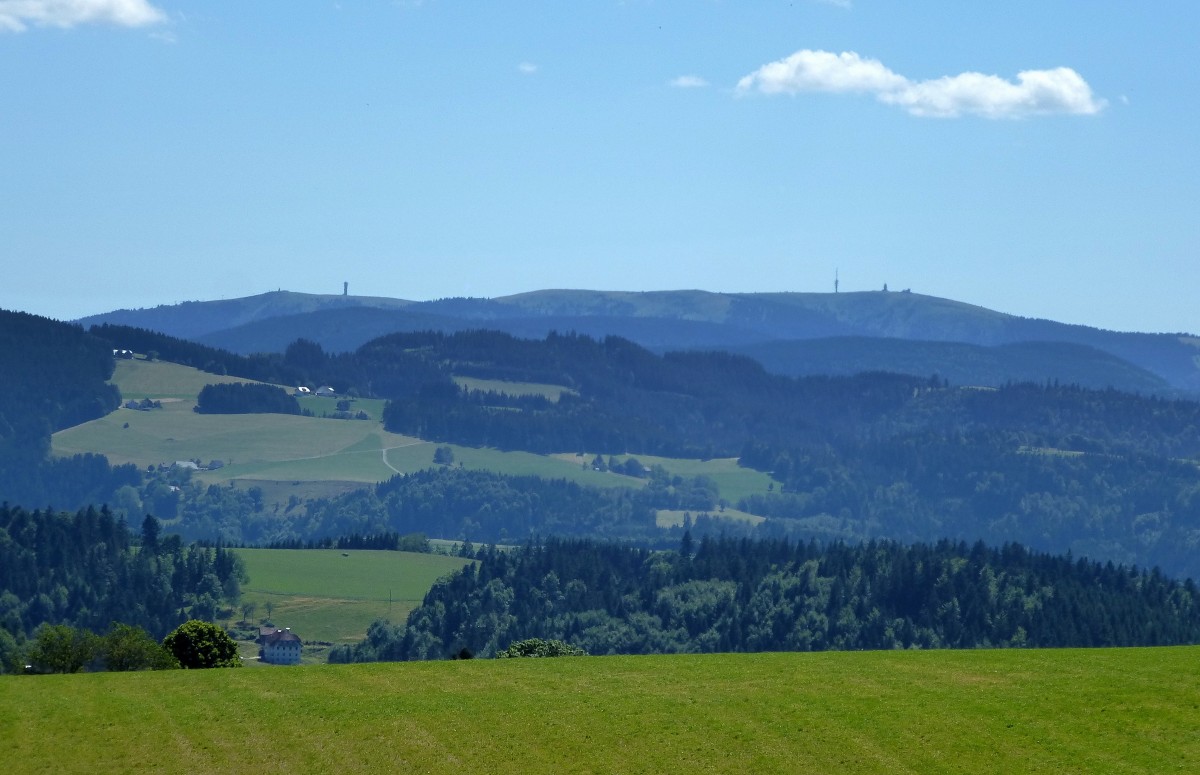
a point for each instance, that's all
(490, 508)
(1102, 473)
(959, 363)
(55, 377)
(741, 595)
(84, 570)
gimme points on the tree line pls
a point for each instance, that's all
(732, 595)
(60, 648)
(388, 541)
(245, 398)
(87, 570)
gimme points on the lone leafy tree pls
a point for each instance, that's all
(125, 647)
(198, 645)
(59, 648)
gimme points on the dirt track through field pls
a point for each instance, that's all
(384, 450)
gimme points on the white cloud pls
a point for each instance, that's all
(528, 68)
(18, 15)
(688, 82)
(838, 3)
(1035, 92)
(808, 70)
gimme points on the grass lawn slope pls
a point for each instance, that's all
(333, 596)
(1068, 711)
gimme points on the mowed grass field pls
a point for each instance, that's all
(332, 595)
(673, 517)
(281, 449)
(550, 392)
(733, 481)
(1014, 711)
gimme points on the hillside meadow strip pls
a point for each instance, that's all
(333, 595)
(1027, 711)
(294, 449)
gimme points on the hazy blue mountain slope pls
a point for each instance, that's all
(194, 319)
(665, 320)
(336, 330)
(959, 363)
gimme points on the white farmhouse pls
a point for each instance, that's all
(279, 647)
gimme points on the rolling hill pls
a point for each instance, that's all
(956, 362)
(679, 320)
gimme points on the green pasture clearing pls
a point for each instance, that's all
(267, 446)
(671, 518)
(289, 448)
(551, 392)
(333, 595)
(1049, 451)
(545, 466)
(138, 379)
(1014, 711)
(733, 481)
(372, 407)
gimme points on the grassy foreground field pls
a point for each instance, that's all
(1069, 711)
(332, 595)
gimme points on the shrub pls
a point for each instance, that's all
(125, 648)
(59, 648)
(538, 647)
(199, 645)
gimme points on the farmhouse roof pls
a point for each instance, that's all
(277, 636)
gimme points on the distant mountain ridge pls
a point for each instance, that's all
(194, 319)
(770, 326)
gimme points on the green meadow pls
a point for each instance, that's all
(551, 392)
(1013, 711)
(673, 517)
(733, 481)
(140, 379)
(332, 595)
(281, 451)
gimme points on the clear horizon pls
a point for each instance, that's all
(1034, 159)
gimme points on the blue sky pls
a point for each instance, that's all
(1038, 158)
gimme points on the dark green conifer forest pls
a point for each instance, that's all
(87, 570)
(776, 595)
